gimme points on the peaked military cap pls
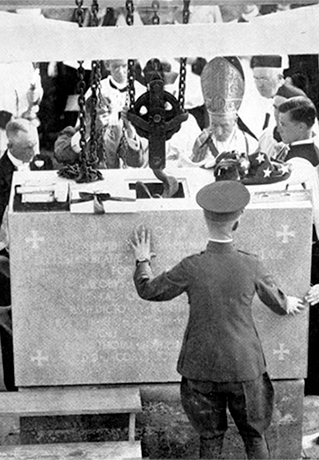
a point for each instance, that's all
(223, 201)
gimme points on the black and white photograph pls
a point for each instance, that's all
(159, 229)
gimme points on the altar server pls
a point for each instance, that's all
(115, 86)
(296, 120)
(270, 141)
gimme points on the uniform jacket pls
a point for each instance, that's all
(220, 343)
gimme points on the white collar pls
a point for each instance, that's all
(221, 241)
(19, 164)
(119, 86)
(14, 160)
(304, 141)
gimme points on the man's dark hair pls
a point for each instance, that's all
(301, 109)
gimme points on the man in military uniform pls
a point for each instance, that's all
(221, 360)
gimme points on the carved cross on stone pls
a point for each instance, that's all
(34, 239)
(39, 358)
(285, 234)
(281, 352)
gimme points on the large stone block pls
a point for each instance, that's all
(77, 318)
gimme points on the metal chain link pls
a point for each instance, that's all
(129, 12)
(79, 12)
(155, 6)
(130, 82)
(93, 154)
(130, 62)
(81, 102)
(182, 82)
(183, 63)
(96, 93)
(95, 10)
(81, 90)
(130, 95)
(186, 11)
(86, 171)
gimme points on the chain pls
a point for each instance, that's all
(130, 62)
(129, 12)
(81, 102)
(95, 83)
(95, 10)
(183, 63)
(83, 170)
(186, 11)
(96, 93)
(79, 12)
(155, 18)
(130, 82)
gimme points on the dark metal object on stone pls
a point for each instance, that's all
(159, 123)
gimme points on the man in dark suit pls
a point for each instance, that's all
(23, 145)
(221, 360)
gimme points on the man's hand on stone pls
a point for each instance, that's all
(312, 297)
(141, 244)
(294, 305)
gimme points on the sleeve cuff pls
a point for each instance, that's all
(75, 142)
(134, 144)
(141, 261)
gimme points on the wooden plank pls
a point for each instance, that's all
(131, 428)
(68, 401)
(144, 42)
(93, 451)
(12, 4)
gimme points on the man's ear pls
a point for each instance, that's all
(303, 127)
(9, 144)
